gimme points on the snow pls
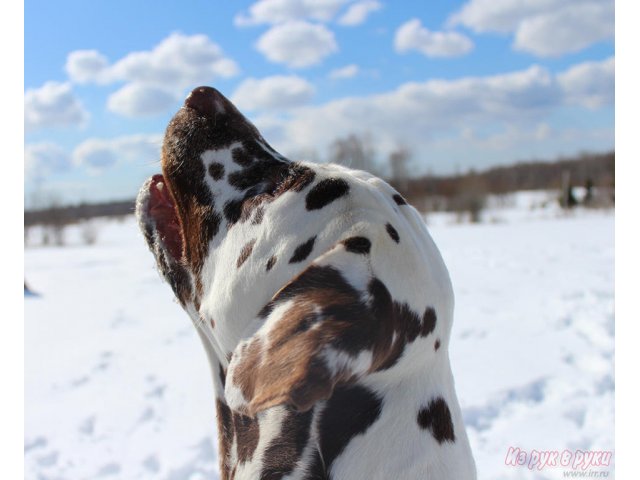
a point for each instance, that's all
(117, 384)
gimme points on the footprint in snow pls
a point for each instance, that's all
(38, 442)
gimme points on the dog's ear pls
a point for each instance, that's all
(320, 330)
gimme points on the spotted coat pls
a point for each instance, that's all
(323, 304)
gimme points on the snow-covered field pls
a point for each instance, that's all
(117, 383)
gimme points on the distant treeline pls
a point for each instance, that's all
(595, 170)
(429, 192)
(75, 213)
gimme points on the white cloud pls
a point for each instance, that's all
(154, 78)
(419, 110)
(44, 159)
(277, 92)
(413, 36)
(86, 66)
(94, 154)
(178, 60)
(348, 71)
(421, 114)
(138, 100)
(97, 154)
(543, 27)
(508, 144)
(53, 105)
(566, 30)
(502, 16)
(279, 11)
(590, 84)
(297, 44)
(357, 13)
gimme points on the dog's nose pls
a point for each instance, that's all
(204, 100)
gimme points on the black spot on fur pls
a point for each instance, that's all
(216, 170)
(437, 419)
(399, 199)
(251, 176)
(302, 251)
(241, 157)
(428, 321)
(391, 317)
(271, 262)
(284, 451)
(232, 211)
(360, 245)
(349, 412)
(393, 233)
(316, 470)
(325, 192)
(222, 374)
(436, 346)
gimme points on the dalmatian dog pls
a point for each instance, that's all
(323, 304)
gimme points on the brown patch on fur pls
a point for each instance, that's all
(225, 438)
(286, 376)
(291, 371)
(199, 224)
(245, 252)
(326, 313)
(244, 376)
(247, 432)
(198, 293)
(297, 178)
(257, 218)
(253, 204)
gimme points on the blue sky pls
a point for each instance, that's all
(461, 84)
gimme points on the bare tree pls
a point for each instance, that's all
(354, 151)
(471, 196)
(55, 221)
(398, 161)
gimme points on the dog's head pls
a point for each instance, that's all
(216, 170)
